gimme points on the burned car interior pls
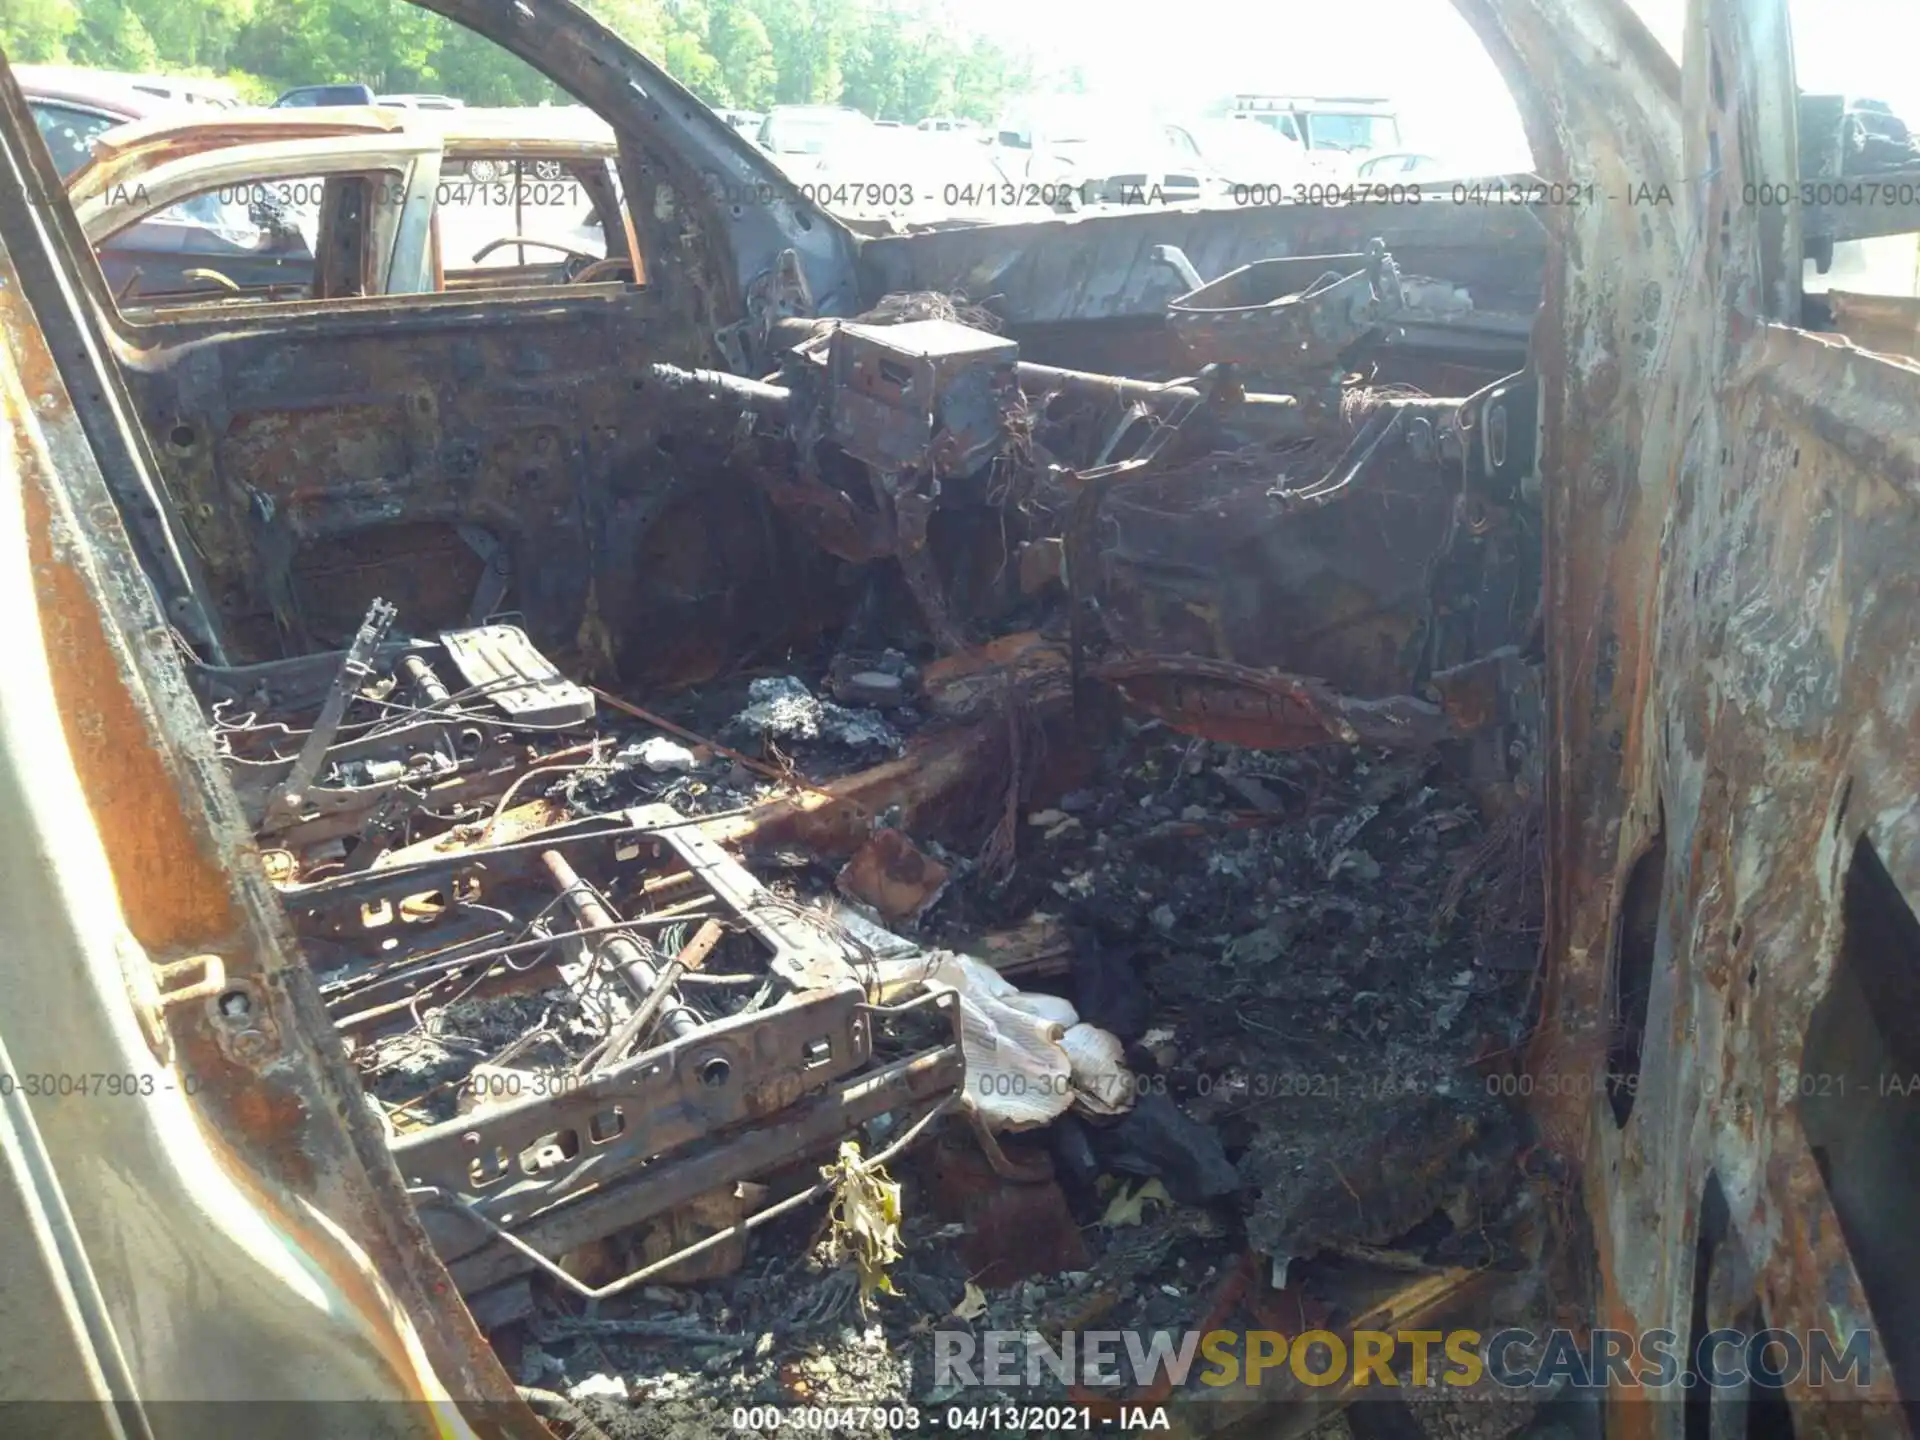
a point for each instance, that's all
(1320, 767)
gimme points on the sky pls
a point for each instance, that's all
(1866, 47)
(1452, 101)
(1420, 52)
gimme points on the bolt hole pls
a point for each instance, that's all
(236, 1005)
(181, 436)
(714, 1072)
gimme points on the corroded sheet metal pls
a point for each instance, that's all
(1218, 559)
(126, 152)
(1103, 268)
(256, 1196)
(1730, 508)
(323, 458)
(1269, 710)
(1090, 293)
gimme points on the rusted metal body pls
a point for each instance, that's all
(141, 937)
(394, 228)
(1288, 315)
(1730, 515)
(461, 430)
(1655, 551)
(1090, 293)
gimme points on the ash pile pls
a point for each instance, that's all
(1118, 1034)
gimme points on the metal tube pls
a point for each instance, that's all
(422, 675)
(768, 401)
(355, 666)
(1277, 415)
(634, 963)
(634, 1028)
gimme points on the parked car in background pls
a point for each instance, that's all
(747, 122)
(179, 223)
(1241, 163)
(946, 124)
(810, 129)
(72, 107)
(1402, 166)
(1338, 130)
(310, 95)
(420, 102)
(1068, 153)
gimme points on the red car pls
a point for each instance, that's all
(71, 105)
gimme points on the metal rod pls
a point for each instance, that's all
(428, 966)
(1280, 414)
(634, 1028)
(624, 952)
(700, 1247)
(767, 401)
(422, 675)
(590, 827)
(354, 667)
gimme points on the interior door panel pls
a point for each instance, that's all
(413, 442)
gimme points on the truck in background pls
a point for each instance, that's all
(1341, 129)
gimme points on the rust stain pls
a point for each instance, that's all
(174, 896)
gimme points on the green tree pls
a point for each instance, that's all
(687, 60)
(983, 77)
(195, 34)
(643, 24)
(387, 44)
(809, 42)
(111, 36)
(471, 66)
(894, 59)
(36, 29)
(738, 40)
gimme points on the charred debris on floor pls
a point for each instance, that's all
(1143, 885)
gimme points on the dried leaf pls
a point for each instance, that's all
(972, 1305)
(1130, 1209)
(864, 1221)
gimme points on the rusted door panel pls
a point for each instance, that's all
(1787, 629)
(1731, 531)
(325, 457)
